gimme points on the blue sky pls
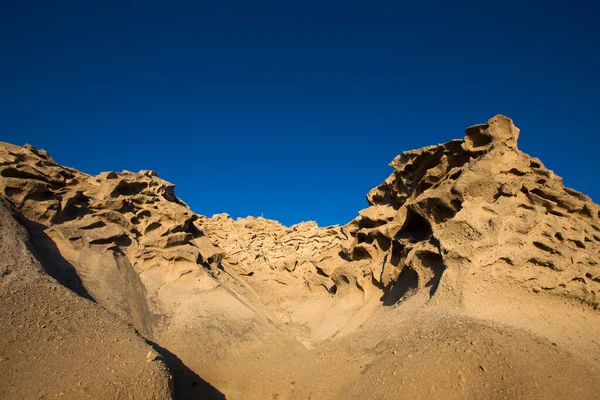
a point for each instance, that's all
(294, 110)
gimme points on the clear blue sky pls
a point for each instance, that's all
(294, 109)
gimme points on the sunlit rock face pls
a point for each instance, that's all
(453, 226)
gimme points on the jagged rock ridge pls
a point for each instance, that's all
(452, 224)
(479, 204)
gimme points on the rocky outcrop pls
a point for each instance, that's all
(453, 226)
(126, 233)
(479, 207)
(473, 206)
(259, 247)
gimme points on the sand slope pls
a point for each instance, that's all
(55, 344)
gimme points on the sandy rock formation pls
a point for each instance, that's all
(126, 234)
(456, 214)
(471, 236)
(125, 241)
(55, 344)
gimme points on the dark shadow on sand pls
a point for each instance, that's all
(187, 384)
(54, 264)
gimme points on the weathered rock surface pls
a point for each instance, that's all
(473, 233)
(467, 211)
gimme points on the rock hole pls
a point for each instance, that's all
(19, 174)
(455, 175)
(383, 242)
(526, 206)
(345, 254)
(73, 208)
(42, 195)
(143, 214)
(547, 196)
(66, 174)
(585, 211)
(121, 240)
(94, 225)
(169, 194)
(396, 253)
(576, 194)
(187, 226)
(125, 188)
(369, 224)
(11, 191)
(423, 187)
(456, 204)
(507, 260)
(559, 236)
(363, 237)
(477, 136)
(415, 228)
(545, 247)
(577, 243)
(543, 263)
(442, 211)
(360, 253)
(517, 172)
(152, 226)
(408, 282)
(18, 157)
(127, 207)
